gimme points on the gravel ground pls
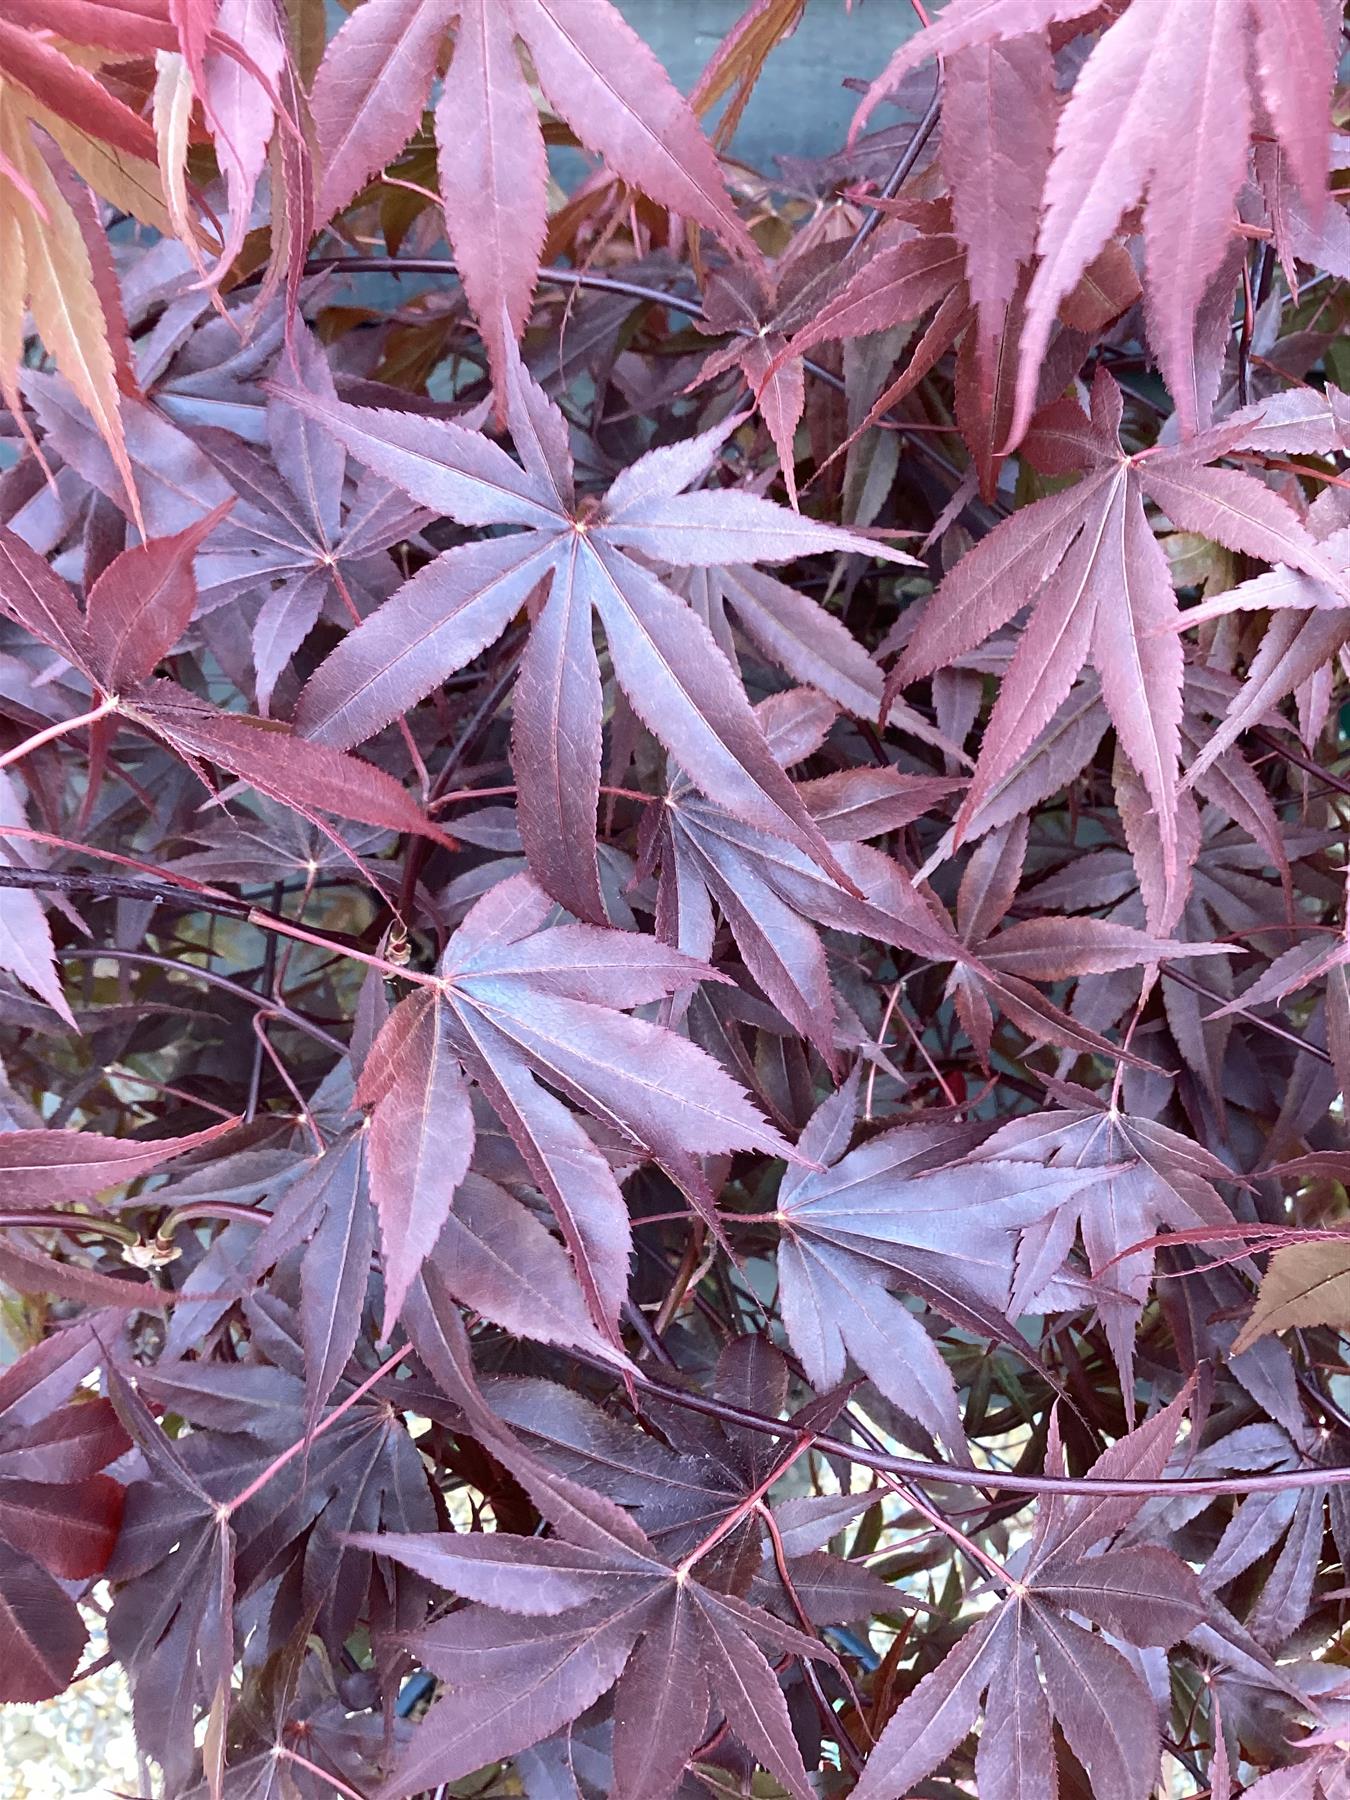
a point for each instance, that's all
(78, 1744)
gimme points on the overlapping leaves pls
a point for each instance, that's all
(512, 1297)
(594, 558)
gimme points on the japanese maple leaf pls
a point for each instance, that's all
(520, 1011)
(1305, 421)
(1060, 752)
(373, 82)
(998, 126)
(761, 309)
(916, 264)
(757, 879)
(798, 635)
(294, 1697)
(186, 1557)
(998, 968)
(739, 301)
(1038, 1665)
(905, 1209)
(297, 536)
(938, 256)
(327, 1210)
(135, 613)
(494, 1254)
(1157, 61)
(1310, 629)
(1222, 862)
(172, 1624)
(249, 91)
(261, 841)
(231, 58)
(571, 1616)
(1102, 877)
(678, 681)
(361, 1473)
(1292, 1522)
(175, 484)
(1148, 1177)
(1098, 581)
(682, 1494)
(58, 262)
(1321, 1771)
(293, 541)
(59, 1519)
(770, 893)
(945, 256)
(678, 1491)
(1227, 895)
(1325, 958)
(1307, 227)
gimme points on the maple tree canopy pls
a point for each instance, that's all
(674, 900)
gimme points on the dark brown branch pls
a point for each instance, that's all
(1267, 1025)
(950, 1475)
(125, 887)
(1269, 741)
(911, 153)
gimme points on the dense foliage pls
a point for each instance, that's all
(674, 960)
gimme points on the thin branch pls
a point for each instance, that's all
(266, 985)
(303, 1114)
(42, 1219)
(828, 1716)
(552, 276)
(1267, 1025)
(162, 894)
(338, 1785)
(275, 1009)
(951, 1475)
(478, 720)
(156, 874)
(59, 730)
(1337, 783)
(911, 153)
(124, 887)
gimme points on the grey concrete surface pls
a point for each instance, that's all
(801, 106)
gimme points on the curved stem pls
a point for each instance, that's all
(1267, 1025)
(1337, 782)
(211, 1209)
(273, 1008)
(50, 734)
(552, 276)
(828, 1716)
(38, 1219)
(338, 1785)
(509, 788)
